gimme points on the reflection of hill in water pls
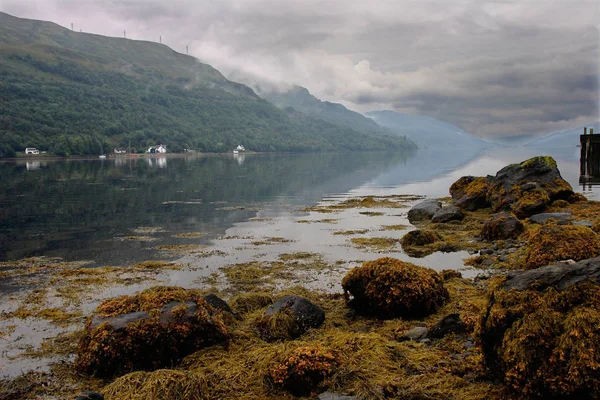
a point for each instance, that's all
(76, 208)
(426, 165)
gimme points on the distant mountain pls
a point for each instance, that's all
(569, 138)
(302, 100)
(427, 132)
(76, 93)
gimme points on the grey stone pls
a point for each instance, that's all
(335, 396)
(449, 324)
(306, 314)
(218, 303)
(557, 275)
(561, 218)
(503, 225)
(448, 214)
(487, 262)
(90, 395)
(417, 333)
(585, 222)
(424, 211)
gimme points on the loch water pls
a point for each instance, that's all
(99, 210)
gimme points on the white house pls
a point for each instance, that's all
(161, 149)
(32, 150)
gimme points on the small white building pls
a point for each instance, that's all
(160, 149)
(239, 149)
(32, 150)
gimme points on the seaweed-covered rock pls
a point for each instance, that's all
(304, 369)
(540, 329)
(550, 243)
(424, 211)
(288, 318)
(503, 225)
(449, 324)
(149, 330)
(419, 237)
(391, 288)
(470, 192)
(529, 187)
(163, 384)
(561, 218)
(448, 274)
(447, 214)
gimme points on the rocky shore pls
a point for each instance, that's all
(526, 328)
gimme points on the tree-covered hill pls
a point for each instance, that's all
(76, 93)
(302, 100)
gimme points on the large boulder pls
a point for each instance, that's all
(390, 288)
(288, 318)
(539, 331)
(524, 189)
(447, 214)
(549, 243)
(424, 211)
(150, 330)
(470, 192)
(503, 225)
(529, 187)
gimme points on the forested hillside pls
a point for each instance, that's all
(75, 93)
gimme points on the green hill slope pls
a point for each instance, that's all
(302, 100)
(75, 93)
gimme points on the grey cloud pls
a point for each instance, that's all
(491, 67)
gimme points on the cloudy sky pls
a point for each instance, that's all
(494, 68)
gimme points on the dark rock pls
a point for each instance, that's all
(486, 251)
(89, 395)
(335, 396)
(424, 211)
(301, 314)
(528, 188)
(447, 214)
(449, 324)
(218, 303)
(417, 333)
(502, 226)
(470, 192)
(560, 218)
(486, 262)
(119, 321)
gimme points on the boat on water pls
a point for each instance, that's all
(102, 156)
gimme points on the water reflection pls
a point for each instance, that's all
(88, 209)
(239, 158)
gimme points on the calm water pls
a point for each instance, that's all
(98, 209)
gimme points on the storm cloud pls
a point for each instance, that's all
(494, 68)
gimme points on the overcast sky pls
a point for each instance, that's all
(491, 67)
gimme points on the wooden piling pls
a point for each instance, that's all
(590, 154)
